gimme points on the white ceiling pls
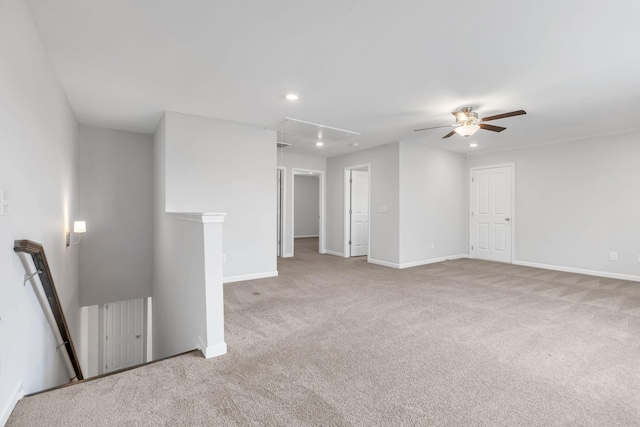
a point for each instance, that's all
(380, 68)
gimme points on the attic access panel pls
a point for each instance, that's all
(313, 130)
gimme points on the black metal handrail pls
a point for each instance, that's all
(42, 269)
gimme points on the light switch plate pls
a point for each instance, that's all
(4, 202)
(382, 208)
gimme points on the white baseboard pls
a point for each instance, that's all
(384, 263)
(416, 263)
(252, 276)
(431, 261)
(7, 408)
(289, 255)
(212, 350)
(461, 256)
(305, 236)
(334, 253)
(579, 271)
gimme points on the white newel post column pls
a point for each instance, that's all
(201, 278)
(215, 345)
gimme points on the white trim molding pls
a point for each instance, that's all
(334, 253)
(417, 263)
(213, 350)
(305, 236)
(384, 263)
(7, 409)
(431, 261)
(253, 276)
(579, 271)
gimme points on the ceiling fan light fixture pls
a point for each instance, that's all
(466, 130)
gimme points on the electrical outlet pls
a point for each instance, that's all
(638, 258)
(433, 245)
(224, 258)
(613, 256)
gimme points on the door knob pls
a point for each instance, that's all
(137, 336)
(507, 219)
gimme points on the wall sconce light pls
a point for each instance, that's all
(79, 227)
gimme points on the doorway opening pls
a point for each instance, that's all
(308, 203)
(357, 207)
(491, 222)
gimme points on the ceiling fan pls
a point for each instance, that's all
(467, 122)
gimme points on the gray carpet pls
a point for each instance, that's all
(339, 342)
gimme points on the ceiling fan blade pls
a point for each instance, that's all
(491, 127)
(504, 115)
(434, 127)
(449, 134)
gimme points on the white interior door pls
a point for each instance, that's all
(123, 334)
(491, 213)
(359, 213)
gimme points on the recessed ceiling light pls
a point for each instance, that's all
(473, 144)
(310, 173)
(355, 144)
(292, 97)
(319, 144)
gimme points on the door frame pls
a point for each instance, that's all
(322, 220)
(283, 208)
(513, 205)
(347, 206)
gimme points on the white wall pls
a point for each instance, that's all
(116, 200)
(433, 204)
(38, 167)
(383, 184)
(575, 202)
(301, 161)
(291, 161)
(306, 206)
(90, 344)
(217, 166)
